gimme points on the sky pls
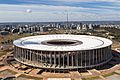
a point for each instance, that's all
(57, 10)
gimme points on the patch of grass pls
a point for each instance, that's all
(7, 72)
(13, 37)
(29, 77)
(106, 75)
(92, 78)
(117, 73)
(3, 53)
(11, 71)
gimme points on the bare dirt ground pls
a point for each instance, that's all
(115, 44)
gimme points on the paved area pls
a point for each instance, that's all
(4, 68)
(56, 75)
(17, 75)
(34, 71)
(58, 79)
(113, 77)
(94, 72)
(75, 75)
(117, 71)
(102, 78)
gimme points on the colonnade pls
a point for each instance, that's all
(63, 59)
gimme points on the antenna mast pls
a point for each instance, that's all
(67, 19)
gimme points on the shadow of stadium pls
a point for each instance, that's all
(114, 61)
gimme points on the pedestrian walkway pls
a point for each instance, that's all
(103, 78)
(17, 75)
(75, 74)
(58, 79)
(4, 68)
(34, 71)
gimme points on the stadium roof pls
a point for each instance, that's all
(87, 42)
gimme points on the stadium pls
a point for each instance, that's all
(63, 52)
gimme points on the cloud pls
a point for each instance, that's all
(6, 7)
(52, 8)
(43, 13)
(88, 0)
(15, 16)
(43, 8)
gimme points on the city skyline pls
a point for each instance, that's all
(56, 10)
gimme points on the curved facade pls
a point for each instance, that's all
(63, 51)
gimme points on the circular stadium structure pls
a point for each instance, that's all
(63, 52)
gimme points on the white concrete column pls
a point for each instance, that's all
(89, 61)
(99, 54)
(72, 60)
(22, 54)
(27, 54)
(68, 59)
(96, 56)
(41, 57)
(15, 52)
(59, 59)
(93, 56)
(85, 59)
(63, 59)
(46, 58)
(50, 59)
(76, 59)
(30, 56)
(110, 51)
(54, 59)
(104, 54)
(18, 52)
(37, 58)
(81, 58)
